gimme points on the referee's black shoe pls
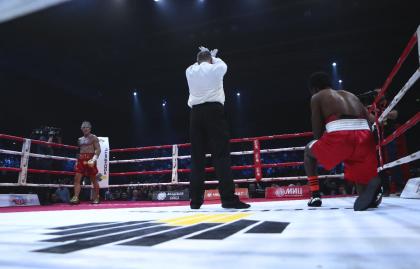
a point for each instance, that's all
(195, 205)
(236, 204)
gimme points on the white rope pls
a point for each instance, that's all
(51, 157)
(239, 153)
(400, 94)
(300, 178)
(142, 160)
(236, 153)
(282, 149)
(252, 180)
(144, 185)
(42, 185)
(418, 40)
(244, 180)
(403, 160)
(36, 185)
(188, 157)
(11, 152)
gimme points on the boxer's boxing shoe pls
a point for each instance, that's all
(315, 202)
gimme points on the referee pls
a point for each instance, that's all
(208, 127)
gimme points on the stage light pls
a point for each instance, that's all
(334, 64)
(238, 94)
(135, 93)
(340, 81)
(164, 103)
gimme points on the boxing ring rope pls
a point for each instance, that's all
(400, 94)
(257, 166)
(257, 151)
(403, 160)
(415, 39)
(402, 129)
(11, 152)
(255, 140)
(235, 153)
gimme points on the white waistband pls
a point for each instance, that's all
(347, 125)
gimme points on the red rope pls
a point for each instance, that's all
(39, 142)
(10, 169)
(207, 169)
(402, 129)
(51, 172)
(142, 148)
(397, 67)
(235, 140)
(160, 172)
(270, 165)
(271, 137)
(57, 145)
(11, 137)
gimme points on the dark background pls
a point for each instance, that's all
(83, 59)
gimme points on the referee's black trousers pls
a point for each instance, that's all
(209, 128)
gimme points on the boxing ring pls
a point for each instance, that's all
(257, 166)
(270, 234)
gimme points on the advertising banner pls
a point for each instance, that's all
(18, 200)
(214, 194)
(287, 192)
(103, 163)
(182, 195)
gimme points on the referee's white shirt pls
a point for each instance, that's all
(205, 82)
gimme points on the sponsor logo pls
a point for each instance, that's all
(213, 194)
(106, 156)
(170, 195)
(294, 191)
(287, 192)
(99, 177)
(148, 233)
(18, 200)
(161, 196)
(280, 192)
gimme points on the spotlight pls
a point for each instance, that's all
(164, 103)
(135, 93)
(340, 81)
(334, 64)
(238, 94)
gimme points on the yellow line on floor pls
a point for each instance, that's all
(229, 218)
(199, 218)
(196, 220)
(181, 218)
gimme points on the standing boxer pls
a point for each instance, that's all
(86, 162)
